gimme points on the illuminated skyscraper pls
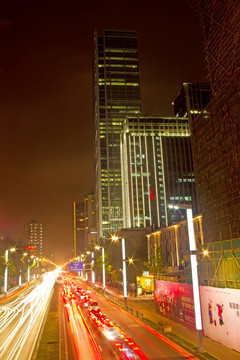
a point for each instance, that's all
(157, 170)
(116, 95)
(34, 236)
(78, 228)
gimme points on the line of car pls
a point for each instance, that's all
(125, 346)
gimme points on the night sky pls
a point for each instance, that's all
(46, 136)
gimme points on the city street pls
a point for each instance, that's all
(86, 334)
(21, 319)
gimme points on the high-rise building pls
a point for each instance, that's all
(157, 170)
(90, 228)
(116, 95)
(34, 235)
(191, 100)
(216, 131)
(78, 228)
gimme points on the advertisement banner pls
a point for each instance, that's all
(221, 315)
(175, 301)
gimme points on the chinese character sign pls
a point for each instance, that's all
(221, 315)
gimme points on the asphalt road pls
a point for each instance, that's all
(154, 345)
(21, 318)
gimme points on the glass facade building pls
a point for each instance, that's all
(116, 95)
(78, 228)
(157, 170)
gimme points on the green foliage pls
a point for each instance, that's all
(159, 263)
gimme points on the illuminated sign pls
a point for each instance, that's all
(152, 197)
(30, 247)
(76, 266)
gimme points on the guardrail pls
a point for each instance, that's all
(129, 309)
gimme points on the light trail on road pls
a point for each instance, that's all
(21, 319)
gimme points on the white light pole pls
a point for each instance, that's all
(6, 272)
(193, 258)
(12, 250)
(103, 265)
(28, 272)
(92, 266)
(20, 278)
(124, 272)
(124, 269)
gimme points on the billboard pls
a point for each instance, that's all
(221, 315)
(175, 301)
(76, 266)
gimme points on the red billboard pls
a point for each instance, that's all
(175, 301)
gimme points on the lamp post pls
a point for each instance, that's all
(194, 270)
(116, 238)
(103, 265)
(6, 272)
(92, 268)
(6, 269)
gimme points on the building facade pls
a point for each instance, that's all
(90, 228)
(174, 243)
(78, 228)
(34, 236)
(116, 94)
(157, 170)
(220, 29)
(191, 100)
(216, 130)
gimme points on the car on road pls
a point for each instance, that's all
(93, 305)
(59, 280)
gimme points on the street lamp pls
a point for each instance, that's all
(6, 269)
(103, 265)
(116, 238)
(92, 268)
(193, 258)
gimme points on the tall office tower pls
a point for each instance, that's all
(34, 234)
(116, 95)
(78, 228)
(157, 170)
(90, 221)
(191, 99)
(216, 131)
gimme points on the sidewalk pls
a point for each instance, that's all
(186, 337)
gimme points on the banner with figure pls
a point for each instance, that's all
(175, 301)
(221, 315)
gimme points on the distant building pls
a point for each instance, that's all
(90, 228)
(157, 170)
(116, 94)
(34, 236)
(191, 100)
(78, 228)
